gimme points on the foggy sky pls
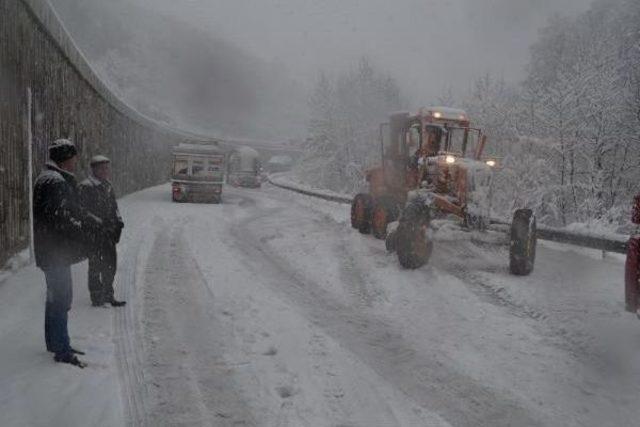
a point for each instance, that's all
(427, 45)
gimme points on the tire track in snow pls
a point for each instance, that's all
(128, 348)
(191, 382)
(427, 379)
(574, 343)
(588, 327)
(355, 278)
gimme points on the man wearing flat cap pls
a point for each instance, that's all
(98, 197)
(62, 228)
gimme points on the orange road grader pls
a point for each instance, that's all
(433, 170)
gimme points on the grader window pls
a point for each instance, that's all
(413, 140)
(432, 140)
(473, 140)
(388, 146)
(463, 141)
(456, 141)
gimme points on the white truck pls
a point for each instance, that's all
(243, 168)
(198, 172)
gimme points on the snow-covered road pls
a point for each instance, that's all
(269, 310)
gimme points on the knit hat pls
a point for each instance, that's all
(61, 150)
(96, 160)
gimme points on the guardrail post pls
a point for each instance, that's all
(632, 266)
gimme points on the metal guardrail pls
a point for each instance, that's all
(332, 198)
(616, 243)
(585, 240)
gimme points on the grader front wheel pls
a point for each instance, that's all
(411, 242)
(412, 246)
(385, 210)
(361, 207)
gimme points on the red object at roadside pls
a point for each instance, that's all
(632, 275)
(635, 213)
(632, 266)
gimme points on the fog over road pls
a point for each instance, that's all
(269, 310)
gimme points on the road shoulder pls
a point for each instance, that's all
(36, 391)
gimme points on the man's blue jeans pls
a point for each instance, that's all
(59, 297)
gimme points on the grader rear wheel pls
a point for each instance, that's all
(385, 210)
(361, 208)
(379, 222)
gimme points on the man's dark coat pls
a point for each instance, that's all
(62, 227)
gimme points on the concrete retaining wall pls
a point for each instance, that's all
(47, 91)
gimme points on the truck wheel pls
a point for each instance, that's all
(412, 245)
(361, 212)
(522, 247)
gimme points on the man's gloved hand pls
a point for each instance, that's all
(118, 233)
(115, 231)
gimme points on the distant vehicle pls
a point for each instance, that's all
(243, 168)
(198, 172)
(280, 163)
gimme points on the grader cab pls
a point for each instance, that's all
(432, 168)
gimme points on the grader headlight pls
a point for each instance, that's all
(491, 163)
(450, 159)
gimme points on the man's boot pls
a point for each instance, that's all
(115, 303)
(69, 358)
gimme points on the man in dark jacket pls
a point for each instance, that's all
(98, 197)
(62, 228)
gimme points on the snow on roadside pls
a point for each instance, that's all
(336, 211)
(561, 335)
(34, 390)
(286, 180)
(282, 367)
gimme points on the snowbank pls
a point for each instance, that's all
(36, 391)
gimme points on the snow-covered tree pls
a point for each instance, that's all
(572, 126)
(343, 128)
